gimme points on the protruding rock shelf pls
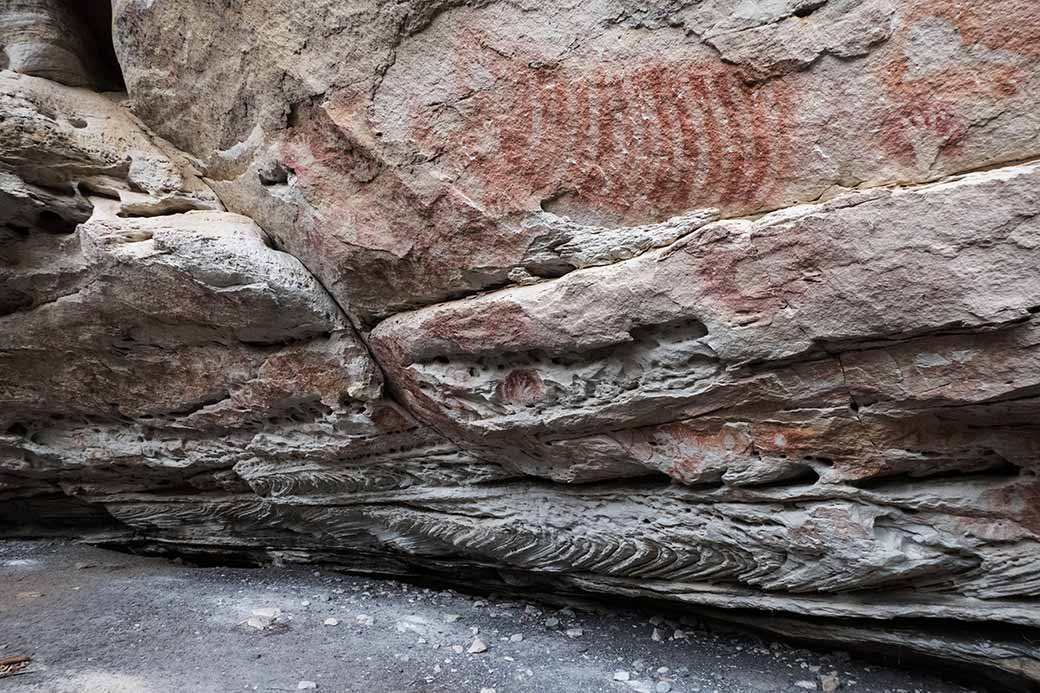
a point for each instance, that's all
(735, 305)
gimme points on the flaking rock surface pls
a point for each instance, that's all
(730, 304)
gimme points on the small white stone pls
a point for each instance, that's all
(457, 649)
(662, 687)
(477, 646)
(487, 690)
(575, 632)
(331, 622)
(263, 618)
(830, 683)
(365, 619)
(807, 685)
(656, 635)
(621, 676)
(451, 618)
(516, 637)
(552, 622)
(306, 686)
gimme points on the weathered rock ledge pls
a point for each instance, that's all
(733, 307)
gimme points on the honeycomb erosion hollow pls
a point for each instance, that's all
(730, 304)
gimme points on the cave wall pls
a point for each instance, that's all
(724, 303)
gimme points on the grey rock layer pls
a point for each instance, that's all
(734, 305)
(60, 41)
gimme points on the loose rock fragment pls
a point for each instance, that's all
(263, 618)
(829, 683)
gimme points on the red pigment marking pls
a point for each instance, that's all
(1020, 502)
(712, 141)
(306, 373)
(762, 140)
(936, 105)
(904, 126)
(582, 113)
(1012, 25)
(388, 419)
(476, 330)
(687, 162)
(665, 141)
(720, 87)
(373, 232)
(687, 451)
(755, 278)
(627, 143)
(521, 386)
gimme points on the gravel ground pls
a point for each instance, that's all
(95, 621)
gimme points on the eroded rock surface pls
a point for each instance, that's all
(729, 304)
(404, 179)
(62, 41)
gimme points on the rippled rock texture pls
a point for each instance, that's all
(731, 304)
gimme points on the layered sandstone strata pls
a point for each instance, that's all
(729, 304)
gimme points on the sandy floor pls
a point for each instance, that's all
(96, 621)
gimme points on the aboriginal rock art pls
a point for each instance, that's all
(729, 304)
(991, 53)
(643, 141)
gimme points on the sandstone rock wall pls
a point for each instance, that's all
(732, 304)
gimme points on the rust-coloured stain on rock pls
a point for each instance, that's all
(473, 331)
(637, 142)
(931, 106)
(521, 386)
